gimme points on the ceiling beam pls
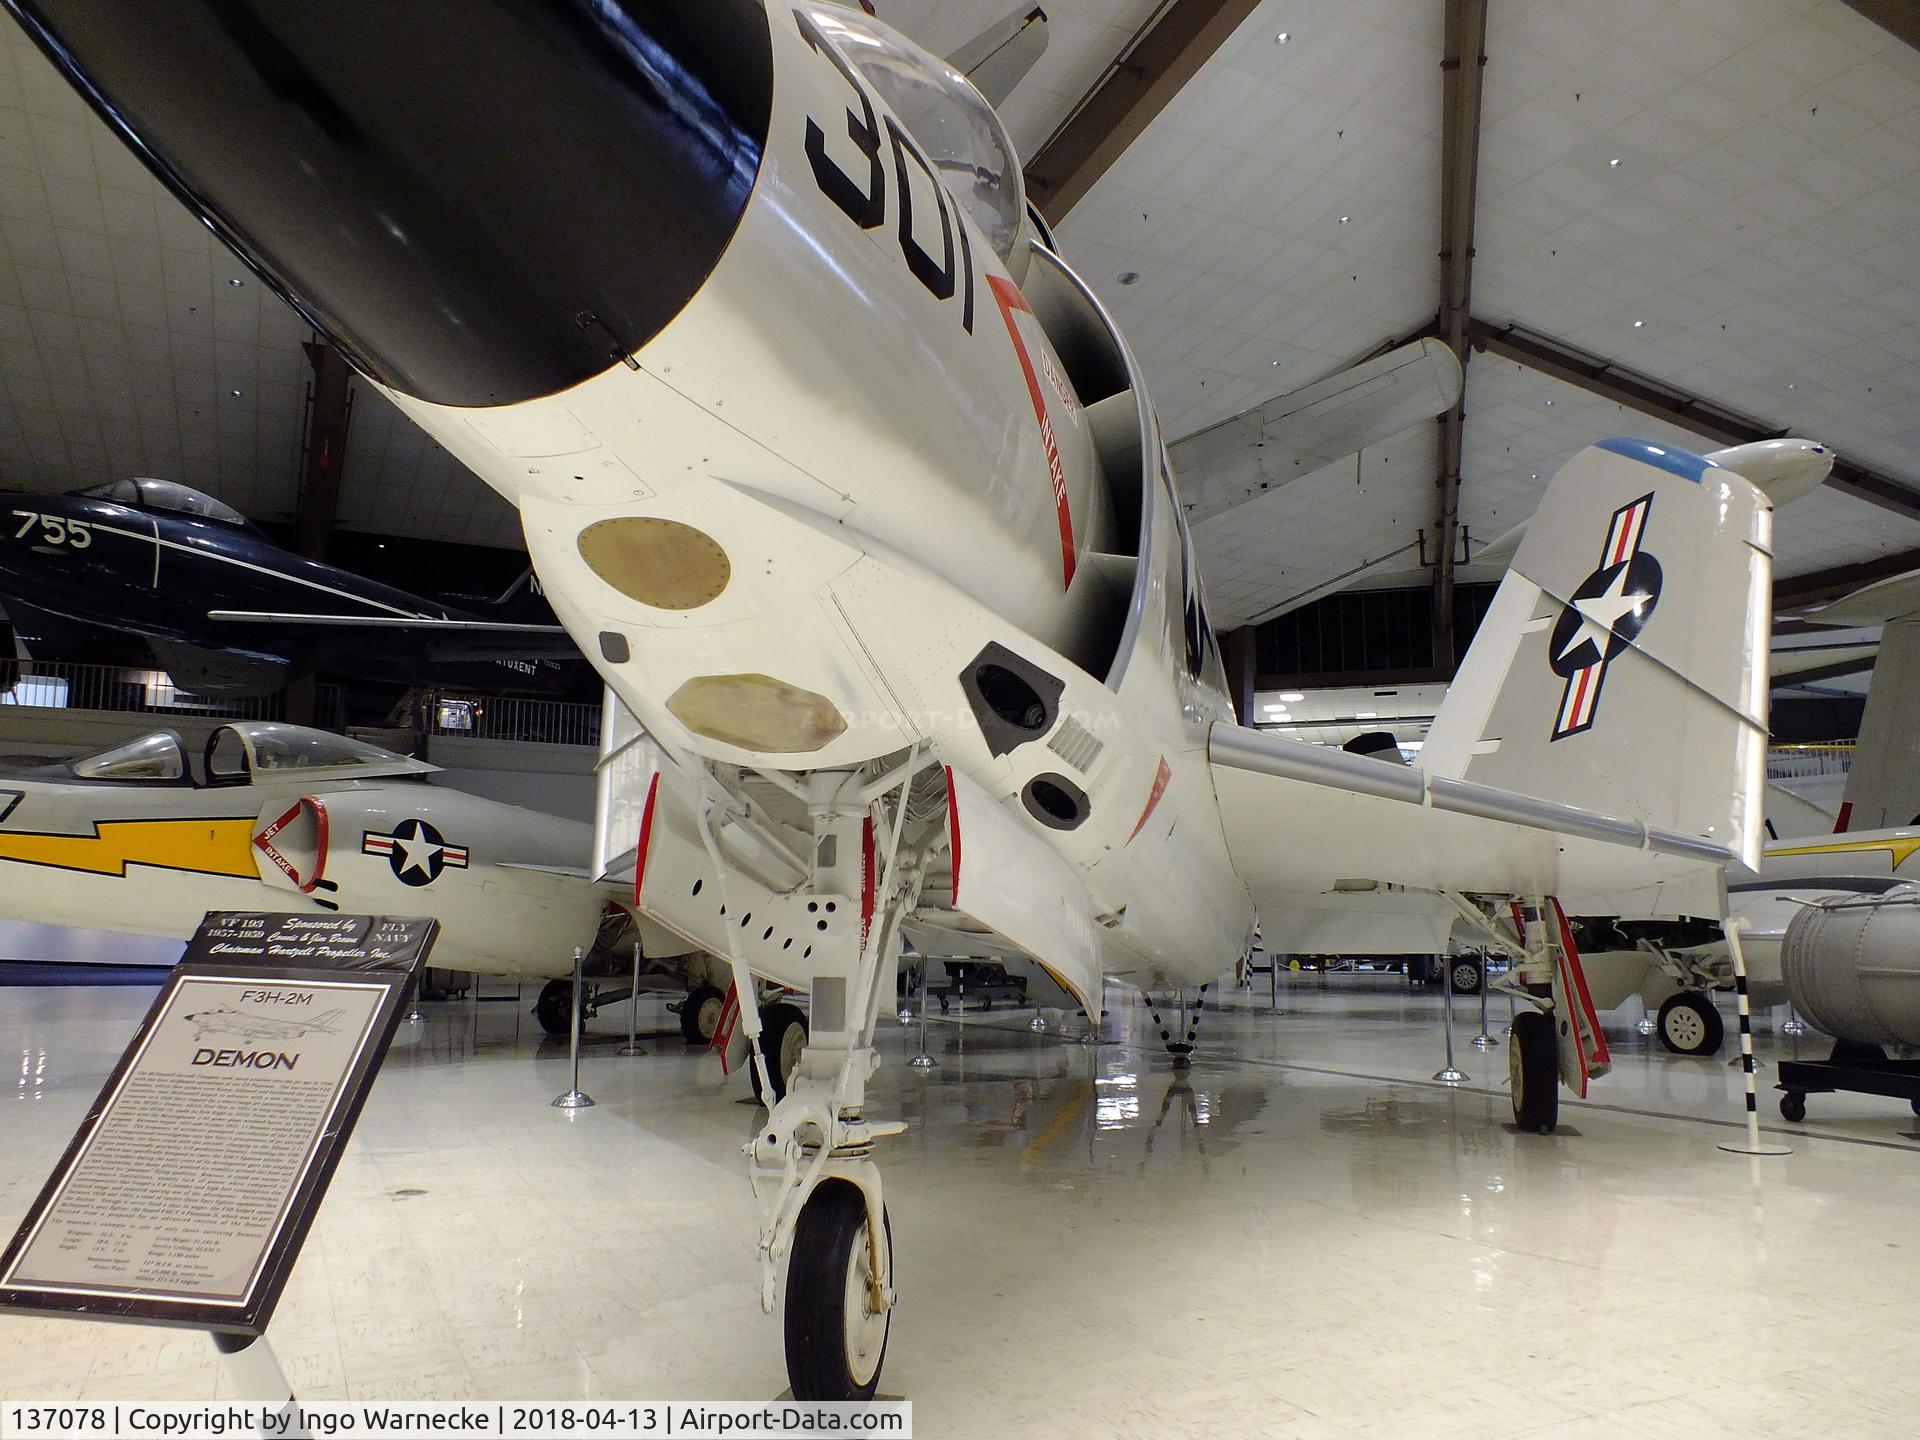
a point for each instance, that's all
(1139, 84)
(1818, 587)
(1599, 376)
(329, 407)
(1897, 17)
(1463, 69)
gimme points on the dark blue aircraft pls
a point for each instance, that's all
(151, 572)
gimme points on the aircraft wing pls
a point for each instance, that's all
(440, 639)
(1346, 852)
(1229, 463)
(1603, 742)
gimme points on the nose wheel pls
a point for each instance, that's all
(839, 1299)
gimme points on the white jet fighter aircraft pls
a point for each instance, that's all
(852, 491)
(284, 818)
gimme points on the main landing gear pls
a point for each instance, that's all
(1556, 1036)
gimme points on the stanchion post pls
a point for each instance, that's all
(1732, 928)
(924, 1060)
(257, 1378)
(1450, 1074)
(632, 1047)
(576, 1098)
(1484, 1040)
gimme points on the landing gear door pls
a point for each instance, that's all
(1009, 880)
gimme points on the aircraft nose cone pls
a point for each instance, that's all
(480, 201)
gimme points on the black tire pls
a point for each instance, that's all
(829, 1251)
(1533, 1072)
(1467, 974)
(783, 1033)
(1688, 1024)
(700, 1014)
(1793, 1105)
(1915, 1106)
(554, 1009)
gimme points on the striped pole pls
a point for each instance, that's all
(1732, 928)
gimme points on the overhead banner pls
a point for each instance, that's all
(185, 1195)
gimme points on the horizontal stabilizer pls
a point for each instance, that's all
(1000, 57)
(1881, 603)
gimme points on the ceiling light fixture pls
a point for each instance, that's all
(236, 282)
(1638, 323)
(1345, 218)
(1282, 38)
(236, 392)
(1614, 163)
(1129, 277)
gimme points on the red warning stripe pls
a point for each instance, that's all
(1160, 779)
(1010, 299)
(723, 1028)
(646, 838)
(953, 833)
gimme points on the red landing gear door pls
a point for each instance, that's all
(1583, 1048)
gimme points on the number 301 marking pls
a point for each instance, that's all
(55, 529)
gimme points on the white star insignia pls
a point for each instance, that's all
(1601, 614)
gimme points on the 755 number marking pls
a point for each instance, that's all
(54, 529)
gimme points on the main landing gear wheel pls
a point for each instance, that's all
(836, 1335)
(1467, 975)
(1689, 1025)
(700, 1014)
(1533, 1072)
(783, 1035)
(554, 1008)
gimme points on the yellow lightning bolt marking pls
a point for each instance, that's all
(205, 847)
(1899, 848)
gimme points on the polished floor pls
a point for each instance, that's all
(1301, 1236)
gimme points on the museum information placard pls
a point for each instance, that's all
(185, 1195)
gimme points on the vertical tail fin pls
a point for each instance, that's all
(1883, 787)
(326, 1020)
(1623, 664)
(524, 600)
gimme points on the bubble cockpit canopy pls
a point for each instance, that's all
(144, 492)
(950, 121)
(159, 757)
(248, 752)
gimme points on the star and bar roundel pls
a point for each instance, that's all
(1609, 609)
(416, 851)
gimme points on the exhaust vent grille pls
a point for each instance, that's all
(1074, 743)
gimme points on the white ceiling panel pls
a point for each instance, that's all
(1280, 214)
(1760, 221)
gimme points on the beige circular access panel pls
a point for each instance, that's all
(661, 563)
